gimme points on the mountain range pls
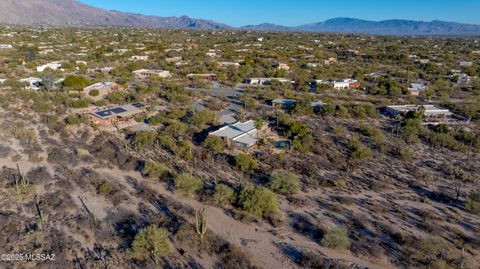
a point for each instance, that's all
(75, 13)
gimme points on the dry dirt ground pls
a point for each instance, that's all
(92, 230)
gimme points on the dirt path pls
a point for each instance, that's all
(262, 243)
(257, 240)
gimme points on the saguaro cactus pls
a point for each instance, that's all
(201, 223)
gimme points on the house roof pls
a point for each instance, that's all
(234, 130)
(119, 111)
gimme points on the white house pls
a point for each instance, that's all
(33, 83)
(266, 81)
(52, 66)
(146, 73)
(416, 88)
(242, 135)
(139, 57)
(6, 46)
(103, 88)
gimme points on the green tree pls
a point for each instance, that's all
(76, 83)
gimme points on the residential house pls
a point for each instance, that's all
(283, 66)
(207, 77)
(6, 46)
(103, 88)
(241, 135)
(146, 73)
(465, 64)
(33, 83)
(100, 69)
(266, 81)
(285, 103)
(228, 64)
(416, 88)
(115, 116)
(345, 84)
(433, 114)
(52, 66)
(140, 57)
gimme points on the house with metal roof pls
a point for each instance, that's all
(242, 135)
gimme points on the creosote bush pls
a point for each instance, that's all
(245, 163)
(187, 184)
(336, 238)
(224, 195)
(284, 182)
(155, 170)
(259, 201)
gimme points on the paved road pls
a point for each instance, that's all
(232, 94)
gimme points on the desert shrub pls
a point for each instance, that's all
(432, 253)
(155, 170)
(203, 117)
(337, 238)
(445, 140)
(105, 188)
(303, 144)
(284, 182)
(214, 144)
(359, 151)
(473, 202)
(187, 184)
(144, 139)
(224, 195)
(94, 93)
(374, 133)
(245, 162)
(258, 201)
(75, 120)
(150, 243)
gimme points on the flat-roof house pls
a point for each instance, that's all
(208, 77)
(103, 88)
(266, 81)
(283, 66)
(242, 135)
(116, 115)
(106, 69)
(5, 46)
(53, 66)
(33, 83)
(345, 84)
(465, 64)
(139, 57)
(146, 73)
(285, 103)
(433, 113)
(416, 88)
(228, 64)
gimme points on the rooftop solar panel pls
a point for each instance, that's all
(118, 110)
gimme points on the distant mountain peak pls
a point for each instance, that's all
(386, 27)
(72, 12)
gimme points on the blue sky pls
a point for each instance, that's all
(296, 12)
